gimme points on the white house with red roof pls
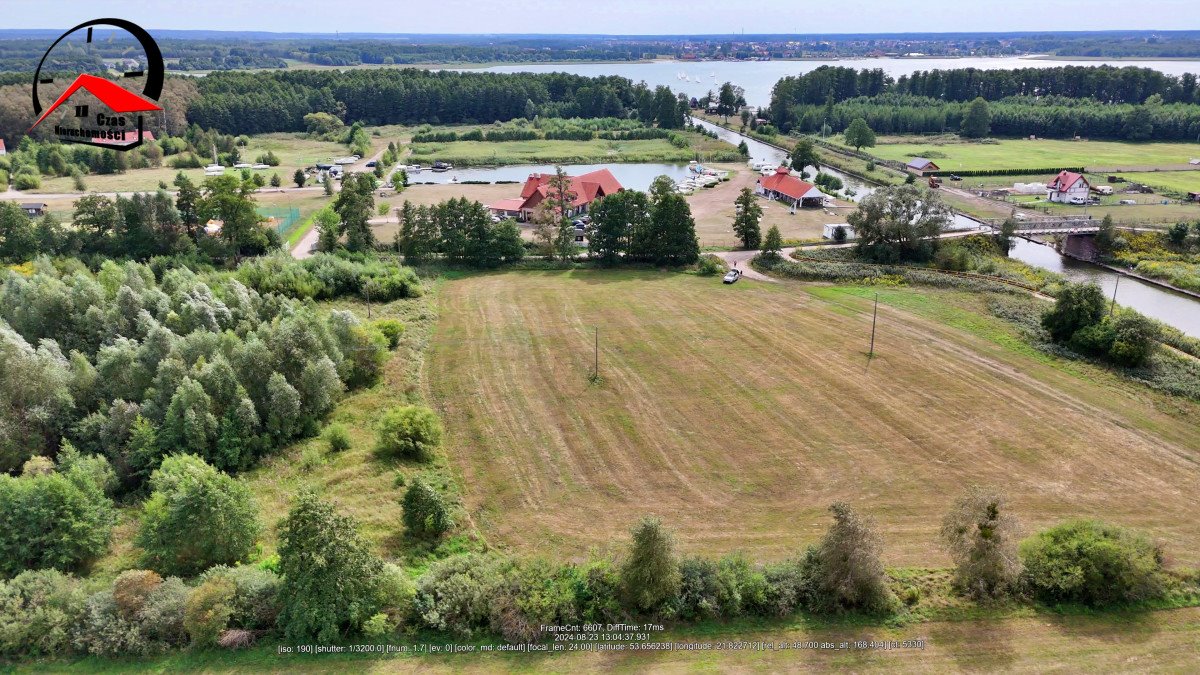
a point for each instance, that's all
(586, 189)
(783, 186)
(1069, 187)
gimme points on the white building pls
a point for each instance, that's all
(830, 231)
(1069, 187)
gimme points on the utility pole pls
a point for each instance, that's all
(1113, 307)
(874, 317)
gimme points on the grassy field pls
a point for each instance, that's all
(1178, 182)
(739, 413)
(954, 155)
(541, 151)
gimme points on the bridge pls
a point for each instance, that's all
(1049, 225)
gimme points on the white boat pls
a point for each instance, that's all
(259, 166)
(413, 168)
(241, 165)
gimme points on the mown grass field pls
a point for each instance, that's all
(740, 413)
(955, 155)
(1178, 182)
(541, 151)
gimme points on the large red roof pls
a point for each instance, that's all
(1065, 180)
(586, 188)
(783, 182)
(116, 97)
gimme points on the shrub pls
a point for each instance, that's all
(396, 594)
(196, 517)
(162, 614)
(102, 630)
(409, 431)
(709, 265)
(533, 594)
(311, 459)
(425, 512)
(1076, 307)
(785, 588)
(338, 438)
(37, 612)
(650, 575)
(330, 576)
(378, 626)
(597, 595)
(52, 521)
(392, 330)
(981, 536)
(131, 590)
(844, 572)
(208, 611)
(1092, 563)
(255, 603)
(456, 594)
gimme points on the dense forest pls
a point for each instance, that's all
(247, 103)
(1097, 102)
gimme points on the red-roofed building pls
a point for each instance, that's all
(2, 150)
(1069, 187)
(783, 186)
(586, 189)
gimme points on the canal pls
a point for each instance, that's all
(1173, 309)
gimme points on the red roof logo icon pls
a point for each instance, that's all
(117, 98)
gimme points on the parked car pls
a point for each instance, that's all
(1127, 202)
(371, 165)
(731, 276)
(955, 177)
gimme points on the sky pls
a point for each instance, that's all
(624, 17)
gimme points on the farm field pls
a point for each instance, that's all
(740, 413)
(1042, 153)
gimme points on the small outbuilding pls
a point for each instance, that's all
(830, 231)
(921, 166)
(34, 209)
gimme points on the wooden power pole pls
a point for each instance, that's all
(874, 318)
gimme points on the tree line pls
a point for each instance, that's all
(202, 524)
(1051, 117)
(247, 103)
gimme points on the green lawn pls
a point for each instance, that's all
(540, 151)
(953, 155)
(1178, 182)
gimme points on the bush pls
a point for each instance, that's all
(331, 578)
(208, 611)
(235, 638)
(981, 536)
(196, 517)
(1092, 563)
(844, 572)
(378, 626)
(533, 594)
(709, 265)
(650, 577)
(1076, 307)
(131, 590)
(338, 437)
(25, 181)
(162, 614)
(425, 512)
(255, 602)
(410, 431)
(456, 594)
(396, 594)
(37, 612)
(52, 521)
(392, 330)
(102, 630)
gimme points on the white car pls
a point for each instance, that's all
(732, 276)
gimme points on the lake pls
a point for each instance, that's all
(759, 77)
